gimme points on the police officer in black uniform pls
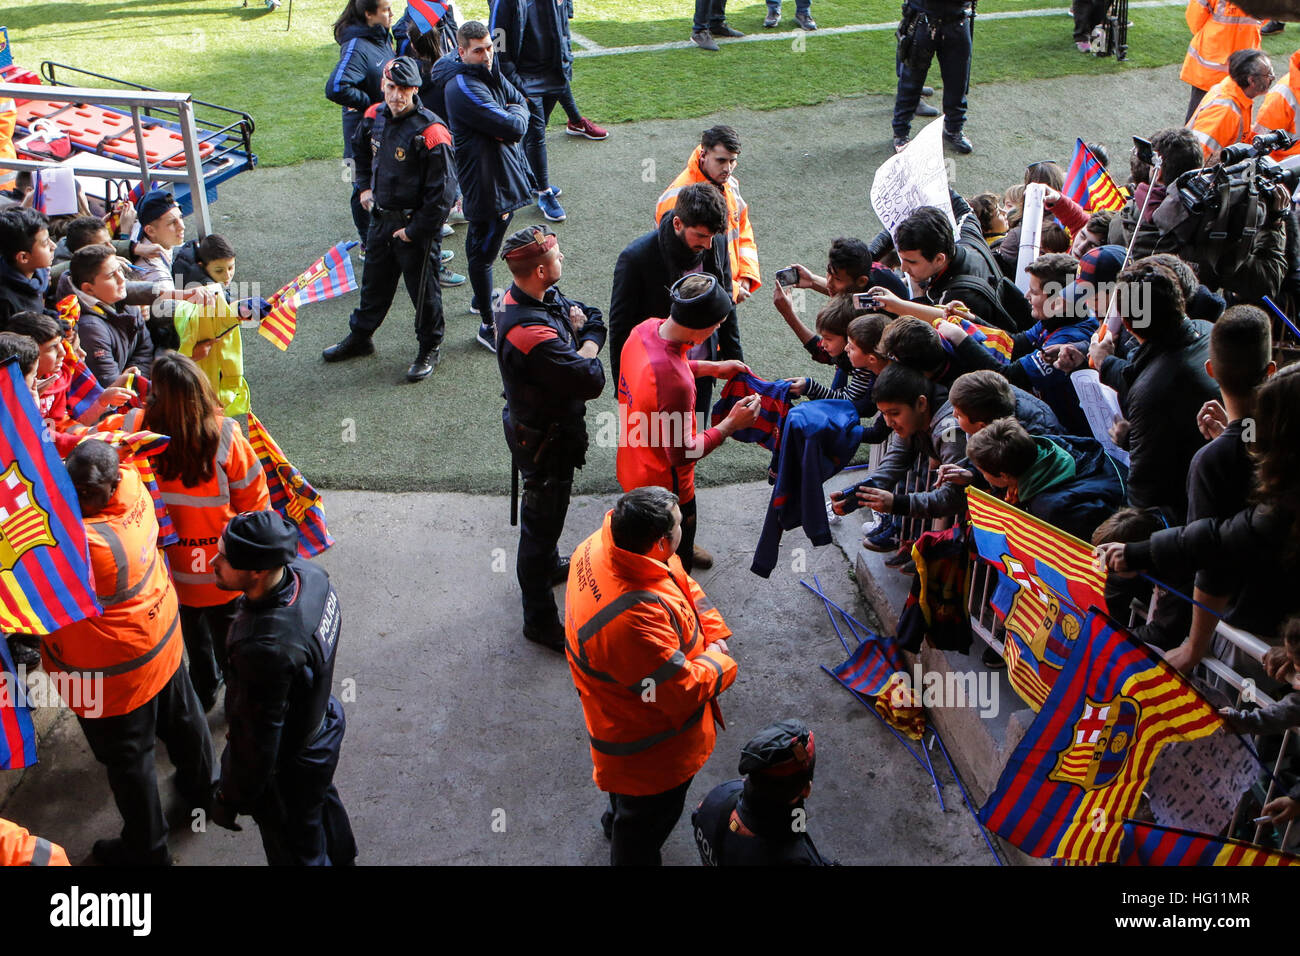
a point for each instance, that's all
(760, 820)
(286, 729)
(546, 348)
(404, 166)
(930, 28)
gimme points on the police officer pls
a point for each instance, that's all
(930, 28)
(546, 348)
(404, 168)
(760, 820)
(285, 727)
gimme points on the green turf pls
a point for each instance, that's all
(244, 58)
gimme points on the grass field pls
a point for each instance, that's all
(243, 57)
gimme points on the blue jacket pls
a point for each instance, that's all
(536, 54)
(19, 293)
(1096, 491)
(1034, 373)
(488, 119)
(817, 440)
(357, 80)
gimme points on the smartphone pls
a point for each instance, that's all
(864, 301)
(788, 277)
(1143, 150)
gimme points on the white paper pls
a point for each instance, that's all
(914, 178)
(58, 191)
(1100, 404)
(1195, 784)
(1031, 231)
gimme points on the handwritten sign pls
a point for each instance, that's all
(914, 178)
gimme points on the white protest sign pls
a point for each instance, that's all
(1100, 405)
(911, 179)
(56, 192)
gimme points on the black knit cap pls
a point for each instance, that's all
(154, 205)
(700, 311)
(259, 541)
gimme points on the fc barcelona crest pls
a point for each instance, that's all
(1099, 744)
(23, 524)
(399, 154)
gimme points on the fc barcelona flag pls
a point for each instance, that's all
(993, 340)
(1148, 844)
(876, 670)
(1088, 183)
(1082, 765)
(83, 388)
(291, 495)
(329, 276)
(44, 562)
(17, 733)
(1046, 582)
(140, 447)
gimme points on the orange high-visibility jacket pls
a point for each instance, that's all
(134, 647)
(742, 249)
(8, 123)
(1281, 108)
(1223, 118)
(202, 511)
(639, 635)
(1219, 29)
(20, 848)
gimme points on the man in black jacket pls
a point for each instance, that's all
(547, 354)
(286, 729)
(404, 169)
(691, 239)
(931, 28)
(488, 118)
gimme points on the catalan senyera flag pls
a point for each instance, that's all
(291, 495)
(142, 446)
(1080, 769)
(1088, 183)
(17, 732)
(876, 670)
(1047, 582)
(44, 561)
(114, 220)
(1149, 844)
(426, 13)
(329, 276)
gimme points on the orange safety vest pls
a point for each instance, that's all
(742, 251)
(202, 511)
(20, 848)
(639, 639)
(1219, 29)
(1223, 118)
(8, 122)
(1281, 108)
(112, 664)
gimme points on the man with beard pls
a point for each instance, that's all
(690, 239)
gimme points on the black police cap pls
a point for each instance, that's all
(780, 749)
(403, 71)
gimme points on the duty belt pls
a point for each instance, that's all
(376, 208)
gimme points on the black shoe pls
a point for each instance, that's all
(958, 142)
(704, 40)
(423, 365)
(550, 636)
(607, 824)
(927, 91)
(900, 142)
(805, 21)
(901, 557)
(353, 346)
(993, 660)
(114, 853)
(209, 700)
(1273, 26)
(23, 653)
(724, 29)
(925, 110)
(561, 573)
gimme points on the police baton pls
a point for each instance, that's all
(424, 278)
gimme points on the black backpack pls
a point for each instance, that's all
(1006, 306)
(1221, 211)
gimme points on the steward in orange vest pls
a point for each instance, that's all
(182, 397)
(713, 162)
(1281, 108)
(120, 672)
(20, 848)
(1224, 116)
(1219, 29)
(649, 658)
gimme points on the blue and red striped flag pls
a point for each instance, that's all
(1149, 844)
(142, 446)
(44, 561)
(995, 341)
(17, 733)
(875, 670)
(329, 276)
(291, 495)
(774, 399)
(426, 14)
(83, 388)
(1088, 183)
(1080, 769)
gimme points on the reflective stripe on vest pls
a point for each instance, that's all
(1208, 64)
(41, 853)
(612, 749)
(114, 670)
(1283, 89)
(183, 500)
(1218, 16)
(115, 545)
